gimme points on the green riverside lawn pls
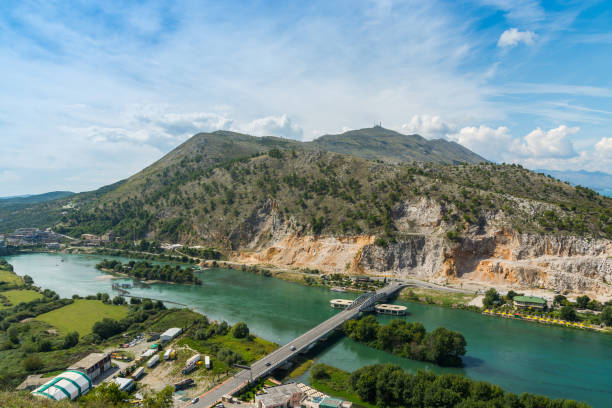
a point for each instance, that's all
(81, 315)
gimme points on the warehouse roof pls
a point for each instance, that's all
(89, 361)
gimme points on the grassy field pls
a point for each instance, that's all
(336, 385)
(250, 350)
(10, 278)
(16, 296)
(81, 315)
(437, 297)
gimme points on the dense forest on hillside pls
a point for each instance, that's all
(199, 194)
(327, 193)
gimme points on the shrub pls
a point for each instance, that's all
(240, 330)
(32, 363)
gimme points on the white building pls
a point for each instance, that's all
(281, 396)
(170, 334)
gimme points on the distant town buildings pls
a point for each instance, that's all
(32, 236)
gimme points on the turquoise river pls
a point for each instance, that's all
(519, 356)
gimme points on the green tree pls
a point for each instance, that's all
(606, 315)
(71, 340)
(582, 301)
(568, 312)
(160, 399)
(560, 300)
(106, 328)
(240, 330)
(445, 347)
(119, 300)
(491, 298)
(13, 334)
(106, 392)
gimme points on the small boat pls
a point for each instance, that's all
(337, 289)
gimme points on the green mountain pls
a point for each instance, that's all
(378, 143)
(220, 188)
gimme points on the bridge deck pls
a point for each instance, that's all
(281, 355)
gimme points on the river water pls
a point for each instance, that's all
(519, 356)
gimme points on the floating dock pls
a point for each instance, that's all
(340, 303)
(395, 310)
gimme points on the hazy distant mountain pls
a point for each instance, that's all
(34, 198)
(597, 180)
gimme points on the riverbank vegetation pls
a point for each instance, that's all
(410, 340)
(146, 271)
(583, 310)
(437, 297)
(388, 385)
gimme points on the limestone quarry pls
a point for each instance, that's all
(496, 255)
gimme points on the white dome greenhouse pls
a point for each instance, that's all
(69, 384)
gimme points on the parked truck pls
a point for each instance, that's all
(207, 362)
(138, 373)
(169, 354)
(153, 360)
(187, 382)
(188, 368)
(193, 359)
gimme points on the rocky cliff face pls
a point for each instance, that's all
(490, 254)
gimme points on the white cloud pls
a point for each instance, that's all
(512, 37)
(604, 146)
(553, 143)
(484, 140)
(186, 124)
(7, 176)
(428, 126)
(273, 126)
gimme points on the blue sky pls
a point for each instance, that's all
(93, 92)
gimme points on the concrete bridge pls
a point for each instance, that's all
(280, 356)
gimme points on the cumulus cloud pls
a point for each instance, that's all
(181, 124)
(513, 37)
(604, 146)
(553, 143)
(484, 140)
(428, 126)
(273, 126)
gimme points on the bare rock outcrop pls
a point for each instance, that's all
(493, 255)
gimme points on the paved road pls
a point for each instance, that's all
(279, 356)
